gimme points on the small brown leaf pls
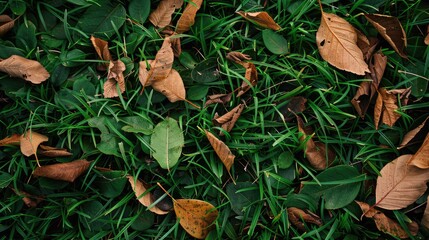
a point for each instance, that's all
(295, 105)
(63, 171)
(297, 217)
(227, 121)
(262, 19)
(161, 16)
(12, 140)
(425, 219)
(27, 69)
(196, 216)
(144, 196)
(29, 200)
(421, 158)
(222, 151)
(102, 49)
(251, 75)
(387, 104)
(410, 135)
(386, 224)
(188, 16)
(218, 98)
(427, 37)
(6, 24)
(30, 141)
(237, 57)
(368, 50)
(390, 29)
(53, 152)
(144, 73)
(172, 87)
(114, 76)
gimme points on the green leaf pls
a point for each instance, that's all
(241, 195)
(5, 179)
(109, 144)
(93, 217)
(137, 124)
(339, 186)
(206, 71)
(84, 85)
(72, 58)
(111, 184)
(59, 75)
(274, 42)
(26, 37)
(144, 221)
(139, 10)
(167, 141)
(18, 7)
(197, 92)
(187, 60)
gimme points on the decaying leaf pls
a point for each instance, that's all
(337, 43)
(386, 224)
(390, 28)
(12, 140)
(63, 171)
(295, 105)
(427, 37)
(196, 216)
(144, 196)
(53, 152)
(400, 184)
(30, 141)
(188, 16)
(29, 200)
(160, 67)
(144, 73)
(172, 87)
(410, 135)
(6, 24)
(222, 151)
(30, 70)
(425, 219)
(297, 217)
(218, 98)
(252, 77)
(387, 104)
(421, 158)
(114, 76)
(102, 49)
(227, 121)
(262, 19)
(176, 45)
(161, 16)
(237, 57)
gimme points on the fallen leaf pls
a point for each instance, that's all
(386, 224)
(400, 184)
(6, 24)
(237, 57)
(425, 219)
(368, 50)
(387, 104)
(337, 43)
(176, 46)
(218, 98)
(227, 121)
(421, 158)
(427, 37)
(410, 135)
(69, 171)
(28, 199)
(161, 16)
(53, 152)
(144, 73)
(188, 16)
(102, 49)
(222, 151)
(196, 216)
(262, 19)
(114, 76)
(144, 196)
(390, 29)
(161, 67)
(251, 75)
(30, 141)
(12, 140)
(295, 105)
(30, 70)
(172, 87)
(297, 217)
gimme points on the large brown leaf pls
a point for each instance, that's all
(63, 171)
(387, 105)
(161, 17)
(6, 24)
(421, 158)
(160, 67)
(114, 76)
(222, 151)
(227, 121)
(298, 216)
(172, 87)
(188, 16)
(262, 19)
(391, 29)
(30, 141)
(143, 195)
(411, 134)
(337, 43)
(27, 69)
(400, 184)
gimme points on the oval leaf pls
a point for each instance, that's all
(63, 171)
(188, 16)
(139, 10)
(6, 24)
(274, 42)
(172, 87)
(161, 17)
(27, 69)
(262, 19)
(30, 141)
(144, 196)
(222, 151)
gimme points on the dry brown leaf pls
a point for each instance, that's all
(102, 49)
(160, 67)
(369, 50)
(400, 184)
(29, 200)
(53, 152)
(251, 75)
(12, 140)
(6, 24)
(237, 57)
(144, 196)
(161, 16)
(218, 98)
(297, 217)
(262, 19)
(63, 171)
(427, 37)
(222, 151)
(196, 216)
(421, 158)
(172, 87)
(386, 224)
(227, 121)
(295, 105)
(387, 104)
(114, 76)
(337, 43)
(425, 219)
(144, 73)
(410, 135)
(188, 16)
(30, 141)
(391, 29)
(30, 70)
(176, 45)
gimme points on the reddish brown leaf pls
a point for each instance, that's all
(53, 152)
(63, 171)
(161, 17)
(252, 77)
(411, 134)
(144, 196)
(421, 158)
(227, 121)
(172, 87)
(427, 37)
(390, 28)
(222, 151)
(30, 70)
(12, 140)
(176, 46)
(30, 141)
(6, 24)
(237, 57)
(114, 76)
(297, 217)
(218, 98)
(102, 49)
(262, 19)
(387, 104)
(188, 16)
(29, 200)
(369, 50)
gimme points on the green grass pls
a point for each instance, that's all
(70, 109)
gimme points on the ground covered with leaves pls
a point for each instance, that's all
(214, 119)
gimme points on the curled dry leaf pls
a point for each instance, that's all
(30, 141)
(337, 43)
(262, 19)
(421, 158)
(196, 216)
(391, 29)
(114, 76)
(102, 49)
(297, 217)
(172, 87)
(410, 135)
(176, 45)
(160, 67)
(53, 152)
(222, 151)
(386, 224)
(188, 16)
(425, 219)
(251, 75)
(387, 104)
(27, 69)
(400, 184)
(161, 16)
(6, 24)
(29, 200)
(69, 171)
(237, 57)
(218, 98)
(144, 196)
(12, 140)
(227, 121)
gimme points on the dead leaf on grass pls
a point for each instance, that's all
(30, 70)
(227, 121)
(237, 57)
(387, 104)
(298, 216)
(218, 98)
(425, 219)
(421, 158)
(252, 77)
(188, 16)
(262, 19)
(12, 140)
(411, 134)
(222, 151)
(102, 49)
(144, 196)
(427, 36)
(172, 87)
(28, 199)
(6, 24)
(161, 16)
(30, 141)
(160, 68)
(114, 76)
(53, 151)
(69, 171)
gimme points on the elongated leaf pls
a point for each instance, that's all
(387, 104)
(144, 196)
(262, 19)
(409, 136)
(227, 121)
(421, 158)
(114, 76)
(30, 141)
(188, 16)
(274, 42)
(102, 48)
(161, 17)
(222, 151)
(6, 24)
(63, 171)
(298, 216)
(27, 69)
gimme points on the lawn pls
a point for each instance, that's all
(251, 119)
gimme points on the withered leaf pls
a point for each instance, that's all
(188, 16)
(368, 50)
(28, 199)
(144, 73)
(69, 171)
(218, 98)
(176, 45)
(390, 28)
(172, 87)
(427, 37)
(144, 196)
(237, 57)
(295, 105)
(262, 19)
(30, 141)
(161, 16)
(387, 104)
(227, 121)
(337, 43)
(115, 76)
(425, 219)
(222, 151)
(27, 69)
(386, 224)
(12, 140)
(251, 75)
(160, 67)
(196, 216)
(421, 158)
(410, 135)
(102, 49)
(6, 24)
(297, 217)
(53, 151)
